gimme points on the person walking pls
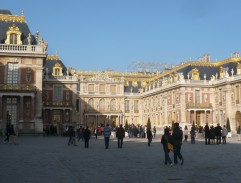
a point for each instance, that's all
(71, 133)
(218, 133)
(239, 133)
(120, 134)
(193, 135)
(95, 133)
(154, 131)
(166, 137)
(107, 133)
(185, 133)
(87, 135)
(149, 136)
(224, 134)
(6, 131)
(12, 135)
(177, 136)
(207, 134)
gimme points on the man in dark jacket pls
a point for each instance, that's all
(87, 135)
(207, 134)
(120, 134)
(177, 136)
(218, 133)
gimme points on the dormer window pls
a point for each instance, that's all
(13, 35)
(13, 38)
(57, 70)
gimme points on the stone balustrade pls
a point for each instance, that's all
(11, 48)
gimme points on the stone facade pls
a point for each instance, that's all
(39, 91)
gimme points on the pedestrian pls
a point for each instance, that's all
(218, 133)
(239, 133)
(154, 131)
(12, 135)
(71, 133)
(207, 134)
(212, 135)
(224, 134)
(6, 131)
(87, 135)
(185, 133)
(167, 138)
(107, 133)
(95, 133)
(149, 136)
(120, 134)
(193, 135)
(177, 136)
(80, 133)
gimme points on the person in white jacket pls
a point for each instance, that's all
(224, 134)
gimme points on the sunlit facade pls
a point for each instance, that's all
(39, 91)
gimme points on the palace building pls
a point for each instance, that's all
(37, 90)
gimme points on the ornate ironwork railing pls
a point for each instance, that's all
(199, 105)
(17, 87)
(57, 104)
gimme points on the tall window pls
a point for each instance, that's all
(127, 106)
(12, 77)
(136, 106)
(57, 93)
(91, 103)
(102, 104)
(102, 88)
(113, 105)
(113, 89)
(220, 95)
(56, 72)
(197, 96)
(91, 88)
(237, 93)
(13, 38)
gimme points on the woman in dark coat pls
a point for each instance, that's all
(149, 136)
(87, 135)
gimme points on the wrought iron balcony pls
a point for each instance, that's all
(17, 88)
(57, 104)
(199, 105)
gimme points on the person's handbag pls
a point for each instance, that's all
(169, 145)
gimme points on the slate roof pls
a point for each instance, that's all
(50, 64)
(23, 27)
(209, 70)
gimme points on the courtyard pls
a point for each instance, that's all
(38, 159)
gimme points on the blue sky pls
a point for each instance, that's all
(114, 34)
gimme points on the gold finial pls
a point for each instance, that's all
(22, 13)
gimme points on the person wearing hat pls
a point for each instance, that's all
(177, 136)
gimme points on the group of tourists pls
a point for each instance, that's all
(85, 135)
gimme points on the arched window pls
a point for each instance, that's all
(113, 105)
(91, 104)
(102, 104)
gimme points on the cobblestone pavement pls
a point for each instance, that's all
(50, 160)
